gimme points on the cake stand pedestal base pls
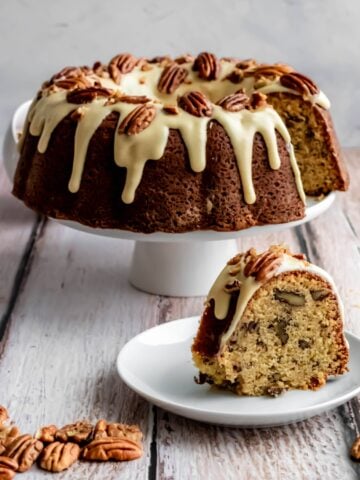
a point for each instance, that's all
(177, 269)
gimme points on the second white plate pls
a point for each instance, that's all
(157, 365)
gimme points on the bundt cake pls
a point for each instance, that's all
(272, 322)
(177, 145)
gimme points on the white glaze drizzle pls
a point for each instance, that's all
(249, 286)
(133, 151)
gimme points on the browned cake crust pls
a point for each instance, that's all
(170, 198)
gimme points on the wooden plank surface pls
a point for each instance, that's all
(74, 309)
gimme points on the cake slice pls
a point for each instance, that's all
(272, 322)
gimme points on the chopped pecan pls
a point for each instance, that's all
(73, 82)
(235, 260)
(247, 64)
(134, 99)
(318, 295)
(138, 119)
(299, 256)
(171, 109)
(172, 76)
(58, 456)
(25, 450)
(78, 432)
(104, 429)
(123, 63)
(234, 102)
(8, 468)
(164, 59)
(262, 266)
(46, 434)
(208, 66)
(3, 415)
(195, 103)
(87, 95)
(275, 70)
(258, 100)
(291, 298)
(299, 83)
(236, 76)
(119, 449)
(233, 286)
(187, 58)
(303, 344)
(355, 449)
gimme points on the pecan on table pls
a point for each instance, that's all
(3, 415)
(103, 429)
(355, 449)
(46, 434)
(195, 103)
(109, 448)
(208, 66)
(25, 450)
(8, 434)
(8, 468)
(138, 119)
(58, 456)
(78, 432)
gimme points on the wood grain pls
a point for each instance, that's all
(74, 309)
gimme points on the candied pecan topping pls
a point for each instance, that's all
(187, 58)
(87, 95)
(78, 432)
(138, 119)
(262, 266)
(171, 109)
(46, 434)
(73, 82)
(108, 448)
(123, 63)
(234, 102)
(58, 456)
(300, 83)
(172, 76)
(25, 450)
(3, 415)
(258, 100)
(104, 429)
(196, 104)
(208, 66)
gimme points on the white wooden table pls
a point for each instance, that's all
(66, 309)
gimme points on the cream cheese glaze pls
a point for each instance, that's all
(249, 286)
(133, 151)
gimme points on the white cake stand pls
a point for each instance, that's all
(175, 264)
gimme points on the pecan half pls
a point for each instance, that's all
(275, 70)
(196, 104)
(104, 429)
(8, 468)
(355, 449)
(119, 449)
(300, 83)
(172, 76)
(8, 434)
(187, 58)
(46, 434)
(68, 72)
(234, 102)
(87, 95)
(208, 66)
(73, 82)
(262, 266)
(138, 119)
(123, 63)
(25, 450)
(3, 415)
(78, 432)
(58, 456)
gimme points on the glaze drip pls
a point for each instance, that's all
(133, 151)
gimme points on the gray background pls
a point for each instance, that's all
(319, 37)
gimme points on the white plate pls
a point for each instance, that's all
(314, 207)
(157, 365)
